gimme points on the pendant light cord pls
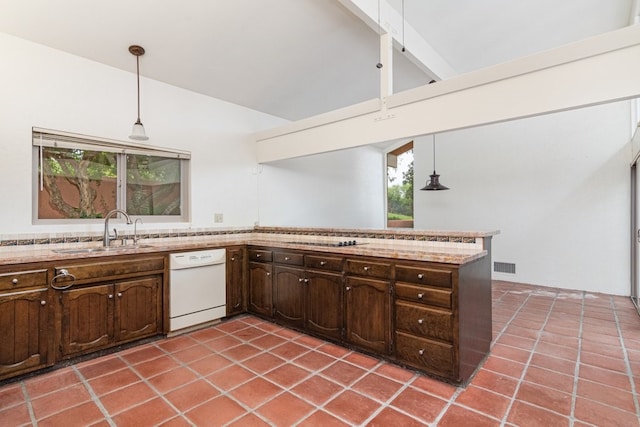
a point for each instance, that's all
(403, 26)
(434, 153)
(138, 75)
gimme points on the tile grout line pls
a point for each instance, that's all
(27, 400)
(531, 354)
(627, 362)
(94, 396)
(576, 370)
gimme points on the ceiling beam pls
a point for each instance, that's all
(417, 49)
(594, 71)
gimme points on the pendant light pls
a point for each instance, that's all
(138, 132)
(434, 181)
(379, 64)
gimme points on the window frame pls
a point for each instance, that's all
(52, 138)
(394, 154)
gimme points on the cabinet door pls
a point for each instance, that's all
(288, 295)
(260, 292)
(137, 308)
(24, 319)
(324, 303)
(87, 319)
(368, 322)
(235, 281)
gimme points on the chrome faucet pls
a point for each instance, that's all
(107, 238)
(135, 230)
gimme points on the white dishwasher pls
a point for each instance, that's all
(197, 287)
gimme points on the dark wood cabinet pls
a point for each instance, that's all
(137, 309)
(24, 325)
(235, 281)
(368, 313)
(324, 303)
(260, 288)
(289, 291)
(308, 298)
(87, 319)
(100, 316)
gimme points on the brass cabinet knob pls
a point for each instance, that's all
(110, 296)
(366, 268)
(14, 281)
(233, 258)
(420, 295)
(420, 276)
(301, 280)
(119, 294)
(287, 258)
(43, 302)
(323, 262)
(268, 274)
(257, 255)
(421, 352)
(420, 321)
(348, 288)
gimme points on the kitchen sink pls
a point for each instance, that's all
(125, 248)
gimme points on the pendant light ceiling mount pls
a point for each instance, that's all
(138, 133)
(434, 179)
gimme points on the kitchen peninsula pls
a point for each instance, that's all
(421, 299)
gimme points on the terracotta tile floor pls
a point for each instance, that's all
(559, 358)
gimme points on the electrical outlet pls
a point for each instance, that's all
(217, 218)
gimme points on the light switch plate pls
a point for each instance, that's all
(217, 218)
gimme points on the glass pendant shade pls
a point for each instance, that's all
(138, 133)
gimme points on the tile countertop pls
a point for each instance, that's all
(394, 249)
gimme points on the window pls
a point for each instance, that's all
(400, 187)
(78, 178)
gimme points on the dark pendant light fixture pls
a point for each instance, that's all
(138, 132)
(434, 179)
(379, 64)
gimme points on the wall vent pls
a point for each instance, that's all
(504, 267)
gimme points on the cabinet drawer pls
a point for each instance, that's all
(106, 269)
(23, 279)
(425, 354)
(288, 258)
(424, 295)
(425, 276)
(424, 321)
(323, 262)
(368, 268)
(260, 255)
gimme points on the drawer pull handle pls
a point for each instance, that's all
(301, 280)
(420, 276)
(268, 274)
(420, 295)
(119, 294)
(420, 321)
(323, 262)
(287, 258)
(110, 296)
(43, 302)
(348, 288)
(63, 273)
(421, 351)
(306, 280)
(14, 281)
(233, 258)
(257, 255)
(366, 268)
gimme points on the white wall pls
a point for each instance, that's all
(47, 88)
(336, 189)
(556, 186)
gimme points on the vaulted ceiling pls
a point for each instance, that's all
(298, 58)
